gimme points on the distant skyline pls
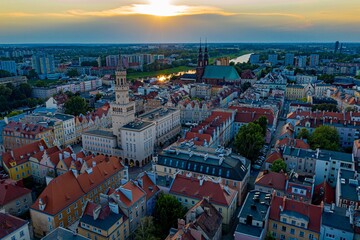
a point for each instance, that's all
(178, 21)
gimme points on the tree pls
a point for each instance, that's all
(249, 140)
(4, 73)
(262, 121)
(303, 134)
(278, 165)
(89, 64)
(269, 236)
(327, 78)
(40, 83)
(76, 105)
(146, 229)
(98, 96)
(25, 89)
(325, 107)
(245, 86)
(73, 73)
(32, 74)
(325, 137)
(166, 213)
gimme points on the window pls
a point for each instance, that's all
(292, 231)
(282, 237)
(303, 225)
(60, 216)
(220, 210)
(274, 226)
(293, 222)
(13, 238)
(283, 220)
(283, 228)
(311, 236)
(301, 234)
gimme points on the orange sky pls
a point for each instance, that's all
(178, 20)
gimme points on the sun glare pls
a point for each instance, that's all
(162, 8)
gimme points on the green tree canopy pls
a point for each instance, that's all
(278, 166)
(249, 140)
(325, 137)
(262, 121)
(76, 105)
(303, 134)
(73, 73)
(146, 229)
(327, 78)
(166, 213)
(325, 107)
(4, 73)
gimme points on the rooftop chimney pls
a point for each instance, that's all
(181, 223)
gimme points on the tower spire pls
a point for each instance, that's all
(206, 54)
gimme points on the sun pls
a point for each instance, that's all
(161, 8)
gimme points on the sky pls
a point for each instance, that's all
(177, 21)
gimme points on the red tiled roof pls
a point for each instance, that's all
(10, 191)
(312, 212)
(326, 191)
(9, 224)
(148, 186)
(26, 129)
(136, 192)
(22, 155)
(297, 143)
(273, 156)
(57, 197)
(190, 187)
(273, 180)
(251, 114)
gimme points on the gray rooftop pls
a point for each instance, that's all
(63, 117)
(249, 230)
(137, 125)
(324, 155)
(100, 133)
(104, 224)
(348, 188)
(62, 233)
(157, 113)
(256, 205)
(337, 219)
(205, 160)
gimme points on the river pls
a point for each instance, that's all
(242, 59)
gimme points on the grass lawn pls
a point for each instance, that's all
(136, 75)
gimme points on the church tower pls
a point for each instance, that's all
(200, 65)
(123, 111)
(206, 55)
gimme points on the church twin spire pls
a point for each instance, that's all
(203, 59)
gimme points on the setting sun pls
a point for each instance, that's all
(162, 8)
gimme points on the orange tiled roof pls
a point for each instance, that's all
(313, 212)
(190, 187)
(273, 180)
(57, 197)
(22, 154)
(297, 143)
(148, 186)
(10, 191)
(273, 156)
(136, 192)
